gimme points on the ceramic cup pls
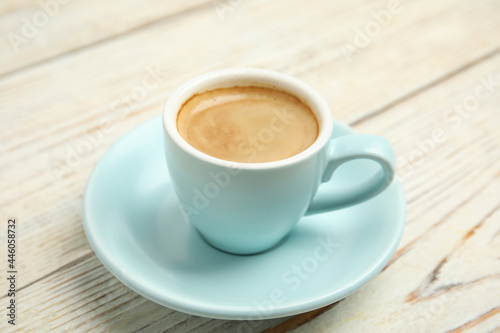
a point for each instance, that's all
(247, 208)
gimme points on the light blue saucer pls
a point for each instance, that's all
(136, 228)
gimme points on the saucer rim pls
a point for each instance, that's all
(248, 311)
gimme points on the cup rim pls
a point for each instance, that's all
(240, 77)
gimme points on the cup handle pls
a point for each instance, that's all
(352, 147)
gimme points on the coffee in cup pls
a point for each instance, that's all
(247, 124)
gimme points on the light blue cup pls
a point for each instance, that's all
(247, 208)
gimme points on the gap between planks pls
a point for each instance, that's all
(426, 87)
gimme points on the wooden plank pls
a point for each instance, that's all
(446, 274)
(47, 110)
(87, 298)
(35, 31)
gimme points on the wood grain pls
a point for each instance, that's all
(37, 31)
(78, 83)
(446, 273)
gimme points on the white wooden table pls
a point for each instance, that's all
(424, 74)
